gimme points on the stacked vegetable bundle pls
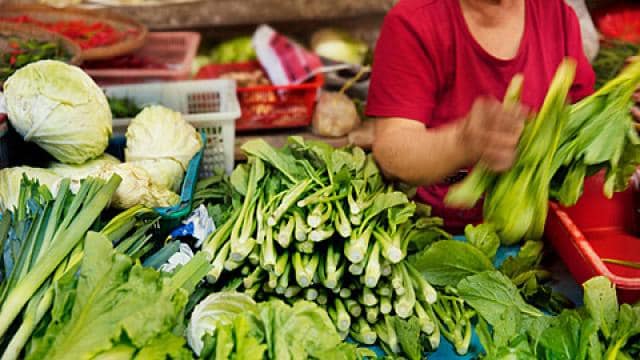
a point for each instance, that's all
(309, 221)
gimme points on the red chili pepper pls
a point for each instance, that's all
(12, 60)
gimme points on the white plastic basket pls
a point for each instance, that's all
(209, 105)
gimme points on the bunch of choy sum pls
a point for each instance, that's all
(516, 200)
(600, 135)
(311, 222)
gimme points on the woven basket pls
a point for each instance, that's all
(119, 22)
(27, 32)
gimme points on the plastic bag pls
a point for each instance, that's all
(590, 36)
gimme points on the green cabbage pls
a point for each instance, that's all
(60, 108)
(10, 183)
(216, 309)
(165, 173)
(81, 171)
(161, 133)
(136, 187)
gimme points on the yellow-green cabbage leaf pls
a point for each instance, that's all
(60, 108)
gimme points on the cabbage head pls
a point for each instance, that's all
(161, 133)
(10, 179)
(60, 108)
(136, 187)
(165, 173)
(81, 171)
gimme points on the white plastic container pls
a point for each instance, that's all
(209, 105)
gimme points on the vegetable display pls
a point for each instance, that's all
(24, 52)
(60, 108)
(43, 236)
(87, 35)
(270, 329)
(118, 309)
(311, 222)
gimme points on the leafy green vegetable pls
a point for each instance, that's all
(484, 237)
(408, 332)
(117, 302)
(490, 293)
(601, 302)
(448, 262)
(516, 200)
(278, 331)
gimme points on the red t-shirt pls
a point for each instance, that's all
(429, 67)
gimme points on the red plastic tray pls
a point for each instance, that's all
(269, 107)
(594, 229)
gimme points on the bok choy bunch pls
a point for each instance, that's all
(311, 222)
(516, 201)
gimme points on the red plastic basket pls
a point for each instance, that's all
(269, 107)
(621, 21)
(175, 51)
(594, 229)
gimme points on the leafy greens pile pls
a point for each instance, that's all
(270, 329)
(35, 237)
(603, 330)
(316, 223)
(118, 309)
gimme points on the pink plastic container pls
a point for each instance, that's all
(174, 50)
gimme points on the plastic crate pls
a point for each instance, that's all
(172, 215)
(269, 107)
(175, 50)
(209, 105)
(594, 229)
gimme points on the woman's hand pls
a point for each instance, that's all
(490, 133)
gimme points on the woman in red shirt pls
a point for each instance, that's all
(441, 68)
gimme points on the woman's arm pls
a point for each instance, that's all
(408, 151)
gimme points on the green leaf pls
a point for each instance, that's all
(279, 159)
(484, 237)
(240, 179)
(601, 302)
(166, 346)
(408, 332)
(562, 338)
(115, 300)
(490, 293)
(527, 259)
(449, 261)
(249, 338)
